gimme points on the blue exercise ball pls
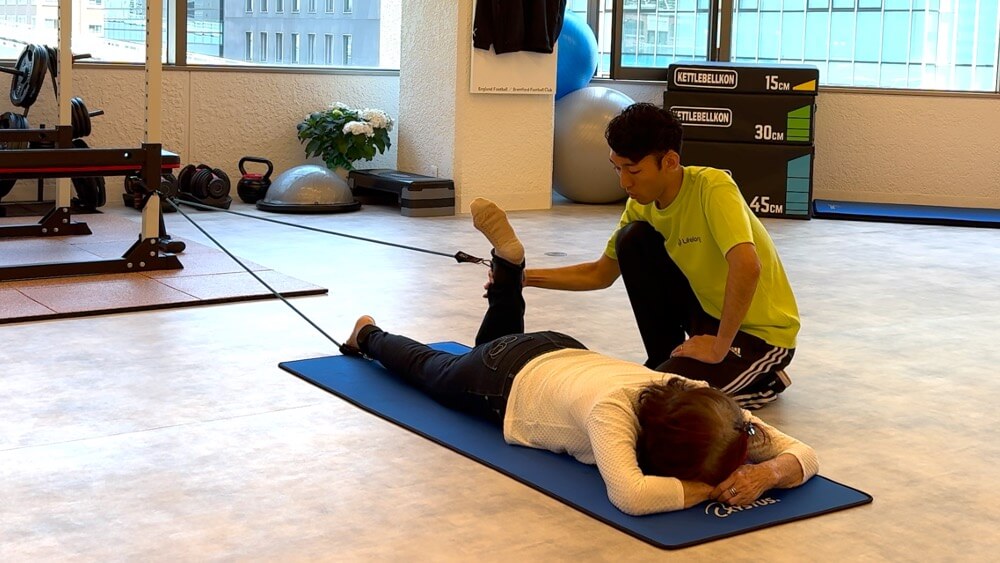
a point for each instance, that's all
(576, 61)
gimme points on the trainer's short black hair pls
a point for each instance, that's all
(643, 129)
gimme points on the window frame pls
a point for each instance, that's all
(721, 19)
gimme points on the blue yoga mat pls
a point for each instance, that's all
(367, 385)
(898, 213)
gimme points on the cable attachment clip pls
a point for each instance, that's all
(461, 257)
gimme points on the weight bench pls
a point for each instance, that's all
(416, 195)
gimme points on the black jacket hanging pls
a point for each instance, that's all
(517, 25)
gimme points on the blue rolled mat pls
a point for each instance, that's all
(367, 385)
(899, 213)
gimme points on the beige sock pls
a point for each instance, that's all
(492, 222)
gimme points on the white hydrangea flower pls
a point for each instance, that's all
(339, 105)
(376, 117)
(359, 128)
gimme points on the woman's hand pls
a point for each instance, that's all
(748, 482)
(745, 485)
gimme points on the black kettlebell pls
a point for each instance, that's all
(253, 187)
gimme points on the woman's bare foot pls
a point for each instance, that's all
(363, 321)
(492, 222)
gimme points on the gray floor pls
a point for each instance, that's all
(172, 435)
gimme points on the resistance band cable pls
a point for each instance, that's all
(460, 256)
(258, 278)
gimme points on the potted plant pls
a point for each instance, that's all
(341, 135)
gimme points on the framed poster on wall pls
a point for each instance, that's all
(520, 72)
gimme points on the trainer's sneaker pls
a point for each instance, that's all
(765, 391)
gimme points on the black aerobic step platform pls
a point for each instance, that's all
(747, 118)
(743, 78)
(900, 213)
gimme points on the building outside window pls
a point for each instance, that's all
(294, 59)
(328, 50)
(329, 6)
(249, 46)
(263, 46)
(348, 6)
(311, 48)
(279, 46)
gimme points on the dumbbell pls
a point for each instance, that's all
(205, 185)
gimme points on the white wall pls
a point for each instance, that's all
(892, 148)
(493, 145)
(215, 118)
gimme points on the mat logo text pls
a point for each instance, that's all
(723, 510)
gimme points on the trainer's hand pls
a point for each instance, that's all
(701, 348)
(748, 482)
(489, 281)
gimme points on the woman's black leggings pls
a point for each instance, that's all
(480, 380)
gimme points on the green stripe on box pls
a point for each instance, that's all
(799, 123)
(802, 112)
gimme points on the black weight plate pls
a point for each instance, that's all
(81, 118)
(168, 186)
(24, 88)
(11, 120)
(225, 188)
(200, 183)
(90, 191)
(184, 178)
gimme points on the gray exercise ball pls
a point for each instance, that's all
(580, 168)
(308, 189)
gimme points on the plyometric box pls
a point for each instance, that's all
(747, 118)
(743, 78)
(416, 195)
(776, 180)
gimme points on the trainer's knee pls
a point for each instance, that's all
(637, 239)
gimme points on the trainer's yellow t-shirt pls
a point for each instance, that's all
(708, 218)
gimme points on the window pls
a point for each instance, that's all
(348, 6)
(295, 49)
(329, 6)
(312, 6)
(347, 40)
(216, 31)
(311, 49)
(921, 44)
(328, 57)
(931, 44)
